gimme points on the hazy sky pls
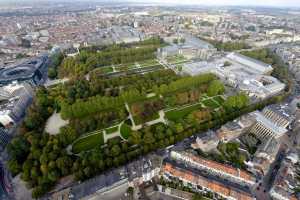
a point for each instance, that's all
(289, 3)
(277, 3)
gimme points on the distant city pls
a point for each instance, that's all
(115, 100)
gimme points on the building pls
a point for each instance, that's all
(191, 48)
(246, 74)
(264, 156)
(273, 121)
(286, 179)
(14, 99)
(33, 71)
(213, 168)
(255, 65)
(201, 184)
(144, 170)
(261, 87)
(228, 132)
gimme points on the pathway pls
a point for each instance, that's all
(161, 119)
(114, 69)
(117, 133)
(134, 126)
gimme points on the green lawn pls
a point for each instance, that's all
(176, 59)
(103, 70)
(219, 99)
(112, 129)
(179, 113)
(125, 130)
(88, 142)
(106, 70)
(125, 67)
(210, 103)
(138, 120)
(148, 63)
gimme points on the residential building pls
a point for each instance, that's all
(202, 184)
(215, 169)
(286, 179)
(264, 156)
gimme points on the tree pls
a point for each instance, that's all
(175, 40)
(135, 137)
(52, 73)
(148, 138)
(216, 87)
(14, 167)
(115, 150)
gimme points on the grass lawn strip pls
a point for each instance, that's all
(111, 130)
(179, 113)
(210, 103)
(88, 142)
(125, 131)
(219, 99)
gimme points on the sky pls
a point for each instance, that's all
(277, 3)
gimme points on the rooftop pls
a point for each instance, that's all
(212, 185)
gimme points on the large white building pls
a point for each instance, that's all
(14, 100)
(191, 48)
(272, 122)
(246, 74)
(260, 67)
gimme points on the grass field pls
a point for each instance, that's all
(179, 113)
(176, 59)
(219, 99)
(125, 67)
(210, 103)
(111, 129)
(88, 142)
(125, 130)
(103, 70)
(148, 63)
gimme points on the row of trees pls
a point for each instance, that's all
(86, 61)
(98, 104)
(80, 88)
(184, 83)
(82, 108)
(228, 46)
